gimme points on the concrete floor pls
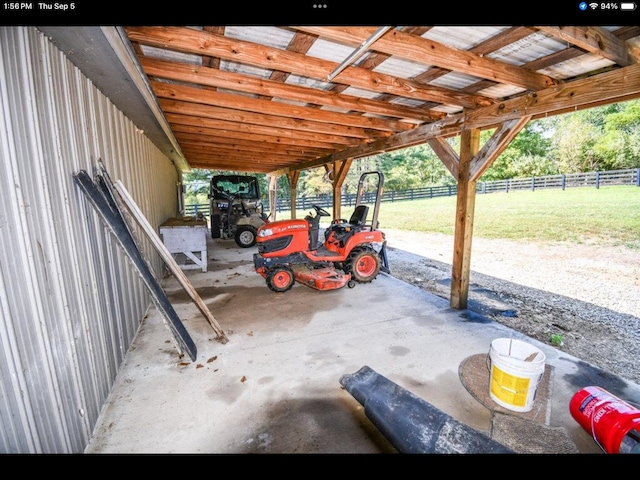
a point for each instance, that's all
(274, 387)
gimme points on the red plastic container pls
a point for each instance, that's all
(613, 423)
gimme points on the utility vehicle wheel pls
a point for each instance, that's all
(363, 263)
(245, 236)
(280, 279)
(215, 226)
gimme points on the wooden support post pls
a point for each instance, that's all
(465, 206)
(340, 170)
(293, 184)
(273, 197)
(467, 168)
(337, 199)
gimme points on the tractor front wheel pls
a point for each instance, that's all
(245, 236)
(280, 278)
(363, 264)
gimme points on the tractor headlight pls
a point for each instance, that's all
(265, 232)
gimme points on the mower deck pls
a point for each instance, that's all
(325, 278)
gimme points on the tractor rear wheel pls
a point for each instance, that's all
(363, 264)
(280, 278)
(215, 225)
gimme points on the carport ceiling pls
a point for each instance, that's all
(280, 99)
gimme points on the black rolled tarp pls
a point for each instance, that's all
(411, 424)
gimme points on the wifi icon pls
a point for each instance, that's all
(593, 5)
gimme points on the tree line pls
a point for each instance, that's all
(595, 139)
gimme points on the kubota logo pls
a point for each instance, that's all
(284, 228)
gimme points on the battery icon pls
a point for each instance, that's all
(628, 6)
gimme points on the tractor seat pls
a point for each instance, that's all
(359, 215)
(343, 229)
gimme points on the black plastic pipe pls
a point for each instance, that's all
(411, 424)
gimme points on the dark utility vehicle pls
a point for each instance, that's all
(236, 208)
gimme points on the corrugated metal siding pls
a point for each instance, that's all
(70, 300)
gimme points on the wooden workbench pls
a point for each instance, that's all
(186, 240)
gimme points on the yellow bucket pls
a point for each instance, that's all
(516, 369)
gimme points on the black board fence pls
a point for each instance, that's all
(629, 176)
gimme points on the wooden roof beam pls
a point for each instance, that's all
(596, 40)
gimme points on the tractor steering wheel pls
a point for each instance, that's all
(321, 211)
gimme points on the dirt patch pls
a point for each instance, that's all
(586, 295)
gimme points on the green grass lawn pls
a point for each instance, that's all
(605, 216)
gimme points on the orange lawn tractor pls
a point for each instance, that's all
(353, 251)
